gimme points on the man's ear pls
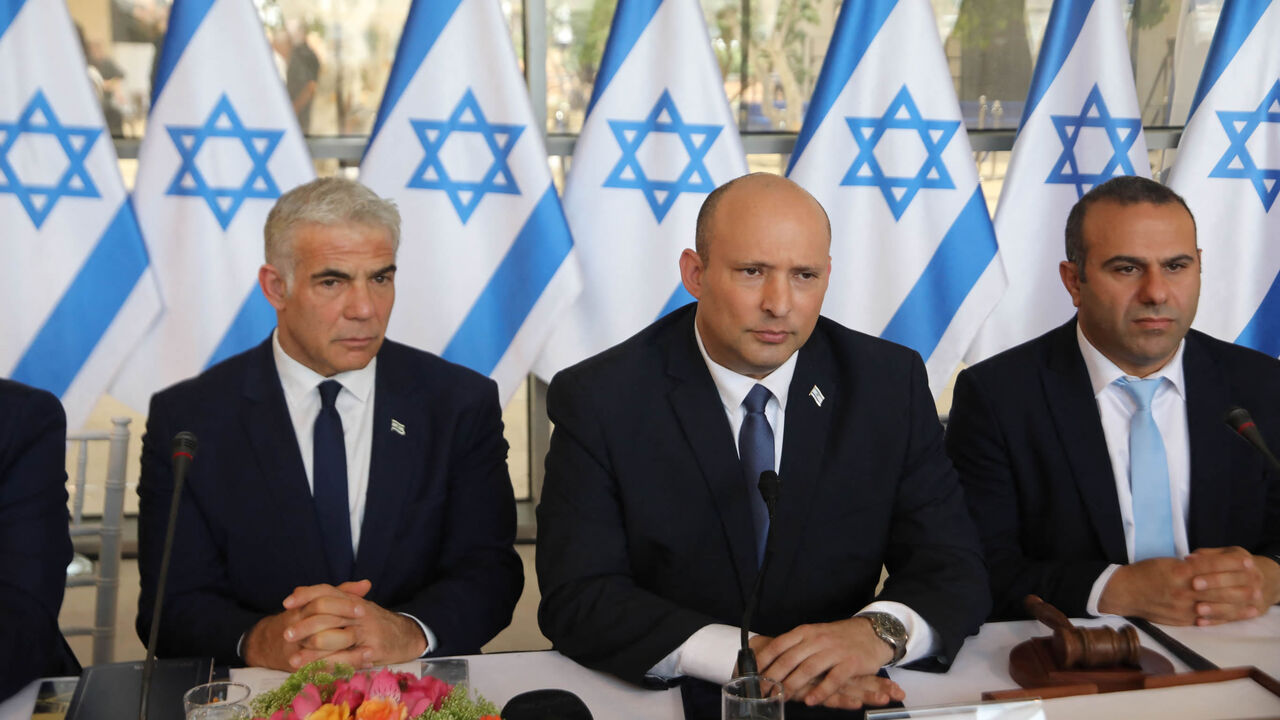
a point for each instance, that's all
(273, 285)
(691, 272)
(1070, 274)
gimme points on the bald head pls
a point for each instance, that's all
(758, 194)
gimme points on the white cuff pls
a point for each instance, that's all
(708, 654)
(426, 633)
(1095, 595)
(922, 642)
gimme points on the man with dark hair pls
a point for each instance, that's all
(350, 500)
(651, 530)
(1094, 458)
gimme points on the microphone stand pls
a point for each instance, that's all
(769, 485)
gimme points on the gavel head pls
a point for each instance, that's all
(1099, 647)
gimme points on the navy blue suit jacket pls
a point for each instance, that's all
(35, 546)
(1027, 440)
(644, 532)
(439, 524)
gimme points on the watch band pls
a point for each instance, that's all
(889, 629)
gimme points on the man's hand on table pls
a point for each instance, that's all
(335, 623)
(832, 664)
(1209, 587)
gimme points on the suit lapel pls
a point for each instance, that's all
(701, 416)
(1075, 413)
(396, 397)
(1208, 398)
(270, 431)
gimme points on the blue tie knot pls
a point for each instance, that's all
(757, 399)
(329, 390)
(1141, 391)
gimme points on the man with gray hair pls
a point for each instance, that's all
(351, 499)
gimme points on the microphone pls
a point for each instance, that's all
(184, 452)
(546, 705)
(770, 486)
(1239, 420)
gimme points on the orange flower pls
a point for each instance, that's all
(329, 711)
(377, 708)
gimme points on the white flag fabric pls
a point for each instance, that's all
(1228, 170)
(222, 143)
(485, 269)
(657, 139)
(884, 149)
(72, 262)
(1080, 127)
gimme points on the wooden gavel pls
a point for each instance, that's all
(1086, 647)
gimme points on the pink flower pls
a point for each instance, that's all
(349, 692)
(385, 685)
(421, 693)
(307, 701)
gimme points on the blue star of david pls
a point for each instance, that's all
(902, 114)
(1122, 132)
(431, 173)
(696, 139)
(1240, 126)
(258, 144)
(38, 118)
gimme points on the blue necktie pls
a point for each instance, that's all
(755, 448)
(1148, 477)
(329, 481)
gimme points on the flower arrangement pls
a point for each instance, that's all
(320, 692)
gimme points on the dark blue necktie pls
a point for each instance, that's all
(755, 449)
(329, 481)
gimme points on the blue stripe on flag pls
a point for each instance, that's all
(1236, 21)
(426, 21)
(87, 308)
(184, 17)
(959, 261)
(251, 325)
(1065, 20)
(508, 298)
(678, 299)
(856, 27)
(1263, 331)
(8, 11)
(629, 20)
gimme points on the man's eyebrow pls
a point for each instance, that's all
(385, 271)
(330, 273)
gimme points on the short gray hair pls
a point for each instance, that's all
(331, 201)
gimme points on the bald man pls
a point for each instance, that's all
(651, 530)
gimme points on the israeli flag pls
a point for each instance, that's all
(884, 149)
(484, 250)
(657, 139)
(1080, 127)
(222, 144)
(72, 261)
(1228, 169)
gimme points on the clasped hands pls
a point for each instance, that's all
(832, 664)
(1208, 587)
(335, 623)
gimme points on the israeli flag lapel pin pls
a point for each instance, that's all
(397, 426)
(817, 396)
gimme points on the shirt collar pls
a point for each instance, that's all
(298, 380)
(1103, 372)
(733, 387)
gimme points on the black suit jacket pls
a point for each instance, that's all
(439, 524)
(1027, 439)
(644, 532)
(35, 546)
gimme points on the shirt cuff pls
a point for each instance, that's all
(708, 654)
(1095, 595)
(426, 633)
(922, 641)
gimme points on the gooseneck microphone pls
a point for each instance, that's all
(770, 488)
(184, 451)
(1240, 421)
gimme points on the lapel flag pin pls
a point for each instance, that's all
(817, 396)
(397, 426)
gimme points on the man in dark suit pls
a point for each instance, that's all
(350, 498)
(34, 544)
(651, 530)
(1077, 500)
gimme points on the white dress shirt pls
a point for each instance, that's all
(1115, 408)
(710, 652)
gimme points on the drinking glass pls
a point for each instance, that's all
(217, 701)
(737, 703)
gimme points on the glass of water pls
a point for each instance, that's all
(217, 701)
(751, 697)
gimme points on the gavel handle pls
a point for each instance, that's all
(1046, 613)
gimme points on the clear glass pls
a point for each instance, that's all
(751, 697)
(217, 701)
(454, 671)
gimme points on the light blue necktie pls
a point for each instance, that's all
(1148, 476)
(755, 449)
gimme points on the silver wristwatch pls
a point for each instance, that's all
(889, 629)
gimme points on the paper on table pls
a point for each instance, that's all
(261, 680)
(1241, 698)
